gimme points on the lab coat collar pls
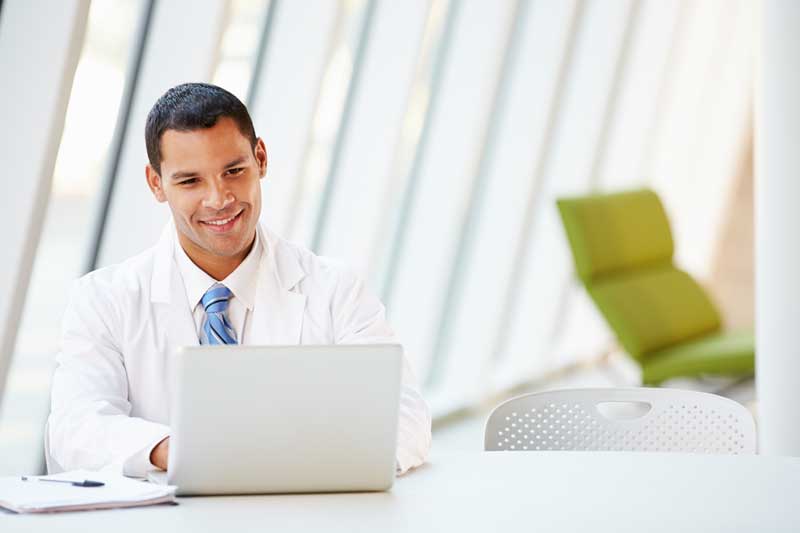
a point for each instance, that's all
(278, 316)
(173, 313)
(284, 263)
(281, 261)
(163, 265)
(279, 308)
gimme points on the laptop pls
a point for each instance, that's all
(283, 419)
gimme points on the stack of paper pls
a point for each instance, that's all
(35, 496)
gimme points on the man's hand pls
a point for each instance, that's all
(160, 453)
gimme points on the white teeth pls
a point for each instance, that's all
(221, 222)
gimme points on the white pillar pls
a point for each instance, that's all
(777, 168)
(40, 43)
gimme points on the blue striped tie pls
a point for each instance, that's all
(216, 327)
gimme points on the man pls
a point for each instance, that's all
(214, 277)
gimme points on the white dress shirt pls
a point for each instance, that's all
(242, 282)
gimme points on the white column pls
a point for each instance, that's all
(38, 57)
(777, 221)
(287, 97)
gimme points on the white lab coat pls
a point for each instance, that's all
(109, 398)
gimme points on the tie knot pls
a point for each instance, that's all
(215, 300)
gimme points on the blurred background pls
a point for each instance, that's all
(424, 142)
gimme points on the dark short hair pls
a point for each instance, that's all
(193, 106)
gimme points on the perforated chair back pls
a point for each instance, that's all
(635, 419)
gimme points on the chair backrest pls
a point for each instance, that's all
(616, 233)
(635, 419)
(623, 248)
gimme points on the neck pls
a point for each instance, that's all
(217, 266)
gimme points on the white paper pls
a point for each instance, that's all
(118, 491)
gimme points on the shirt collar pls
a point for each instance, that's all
(242, 281)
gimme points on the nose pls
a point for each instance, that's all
(218, 196)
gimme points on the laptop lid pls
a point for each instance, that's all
(280, 419)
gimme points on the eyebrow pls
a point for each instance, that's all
(191, 173)
(235, 162)
(183, 174)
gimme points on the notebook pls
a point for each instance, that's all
(36, 496)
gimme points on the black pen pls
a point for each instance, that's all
(84, 483)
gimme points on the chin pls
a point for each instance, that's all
(224, 250)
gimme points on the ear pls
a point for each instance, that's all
(154, 182)
(261, 157)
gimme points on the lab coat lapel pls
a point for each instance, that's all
(279, 308)
(168, 295)
(173, 323)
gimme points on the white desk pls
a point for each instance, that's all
(498, 492)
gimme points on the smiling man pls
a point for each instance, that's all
(215, 277)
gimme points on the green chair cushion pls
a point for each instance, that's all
(615, 232)
(718, 354)
(654, 308)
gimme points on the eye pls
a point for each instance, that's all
(235, 171)
(189, 181)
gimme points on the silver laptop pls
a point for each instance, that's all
(281, 419)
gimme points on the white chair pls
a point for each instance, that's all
(636, 419)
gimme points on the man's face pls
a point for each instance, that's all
(211, 179)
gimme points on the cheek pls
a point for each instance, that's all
(250, 193)
(184, 204)
(256, 201)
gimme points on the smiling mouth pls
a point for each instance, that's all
(222, 225)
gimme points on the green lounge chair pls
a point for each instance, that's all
(622, 246)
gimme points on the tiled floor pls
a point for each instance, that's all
(465, 433)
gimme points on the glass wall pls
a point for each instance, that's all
(423, 142)
(245, 33)
(67, 238)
